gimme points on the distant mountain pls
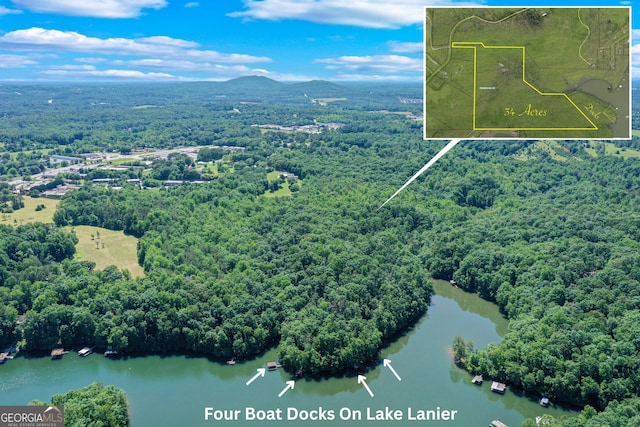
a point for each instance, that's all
(252, 83)
(261, 89)
(320, 88)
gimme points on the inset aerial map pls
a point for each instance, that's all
(552, 73)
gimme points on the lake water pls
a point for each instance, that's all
(618, 97)
(174, 391)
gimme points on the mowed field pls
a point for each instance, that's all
(108, 247)
(29, 213)
(112, 248)
(282, 192)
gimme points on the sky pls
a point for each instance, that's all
(182, 40)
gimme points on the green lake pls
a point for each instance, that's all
(174, 391)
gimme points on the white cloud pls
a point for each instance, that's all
(236, 58)
(406, 47)
(167, 41)
(150, 58)
(373, 77)
(90, 60)
(181, 65)
(15, 61)
(361, 13)
(72, 67)
(7, 11)
(39, 39)
(94, 73)
(95, 8)
(388, 64)
(220, 73)
(192, 4)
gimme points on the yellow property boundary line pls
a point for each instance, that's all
(474, 45)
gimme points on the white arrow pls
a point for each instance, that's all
(260, 373)
(435, 158)
(387, 364)
(361, 380)
(290, 385)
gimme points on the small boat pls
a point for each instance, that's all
(497, 423)
(111, 354)
(85, 351)
(4, 357)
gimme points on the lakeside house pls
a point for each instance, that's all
(477, 380)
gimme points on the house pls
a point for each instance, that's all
(497, 387)
(272, 366)
(544, 402)
(477, 380)
(289, 176)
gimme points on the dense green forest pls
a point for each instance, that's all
(93, 405)
(552, 236)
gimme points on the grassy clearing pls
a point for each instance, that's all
(552, 148)
(110, 248)
(14, 154)
(122, 162)
(29, 214)
(555, 150)
(282, 192)
(210, 169)
(610, 149)
(113, 247)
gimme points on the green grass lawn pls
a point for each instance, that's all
(282, 192)
(110, 248)
(610, 149)
(29, 213)
(550, 147)
(113, 247)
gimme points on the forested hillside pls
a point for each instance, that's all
(550, 233)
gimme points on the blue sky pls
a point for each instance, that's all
(182, 40)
